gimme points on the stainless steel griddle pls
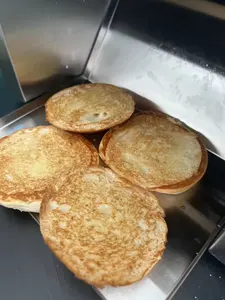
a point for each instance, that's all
(192, 222)
(170, 54)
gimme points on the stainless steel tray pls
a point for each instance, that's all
(191, 221)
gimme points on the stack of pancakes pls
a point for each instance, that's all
(103, 223)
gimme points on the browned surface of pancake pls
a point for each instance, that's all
(103, 228)
(34, 161)
(89, 107)
(155, 152)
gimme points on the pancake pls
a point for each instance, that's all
(34, 162)
(89, 107)
(103, 228)
(155, 152)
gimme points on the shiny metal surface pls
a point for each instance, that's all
(191, 221)
(217, 248)
(8, 79)
(206, 7)
(49, 40)
(180, 71)
(100, 37)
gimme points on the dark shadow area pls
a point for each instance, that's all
(206, 281)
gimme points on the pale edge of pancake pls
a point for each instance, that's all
(177, 188)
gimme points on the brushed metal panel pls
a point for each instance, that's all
(180, 83)
(49, 40)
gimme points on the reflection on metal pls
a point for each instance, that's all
(100, 37)
(217, 248)
(190, 92)
(189, 226)
(49, 40)
(203, 6)
(7, 72)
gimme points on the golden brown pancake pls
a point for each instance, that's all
(34, 162)
(103, 228)
(155, 152)
(89, 107)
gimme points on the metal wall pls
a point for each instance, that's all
(49, 41)
(10, 93)
(172, 55)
